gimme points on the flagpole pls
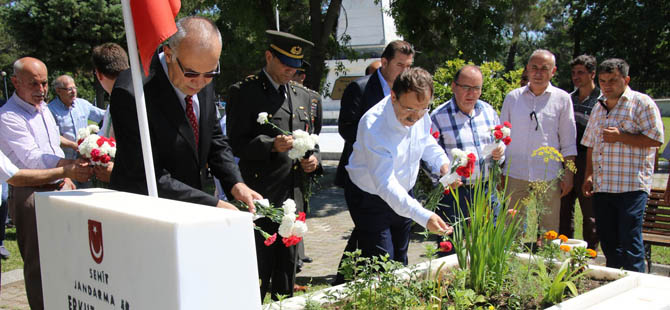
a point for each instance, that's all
(139, 99)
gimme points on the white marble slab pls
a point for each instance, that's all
(155, 253)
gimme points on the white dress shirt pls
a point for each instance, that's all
(552, 124)
(386, 156)
(7, 169)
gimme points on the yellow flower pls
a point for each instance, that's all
(550, 235)
(591, 253)
(492, 307)
(563, 238)
(565, 248)
(546, 159)
(570, 165)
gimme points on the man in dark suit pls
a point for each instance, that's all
(358, 98)
(263, 150)
(185, 135)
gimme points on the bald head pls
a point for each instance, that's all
(195, 48)
(541, 68)
(198, 31)
(30, 80)
(372, 67)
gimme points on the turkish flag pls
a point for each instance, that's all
(154, 23)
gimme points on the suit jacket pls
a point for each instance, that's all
(274, 175)
(180, 167)
(359, 96)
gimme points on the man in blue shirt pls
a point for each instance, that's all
(71, 113)
(465, 122)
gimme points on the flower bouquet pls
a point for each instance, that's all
(292, 226)
(462, 165)
(501, 135)
(303, 142)
(97, 149)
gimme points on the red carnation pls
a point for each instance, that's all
(105, 159)
(507, 140)
(446, 246)
(471, 158)
(270, 240)
(507, 124)
(95, 153)
(301, 217)
(498, 134)
(101, 141)
(498, 127)
(80, 141)
(447, 191)
(292, 240)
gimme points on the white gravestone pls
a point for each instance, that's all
(102, 249)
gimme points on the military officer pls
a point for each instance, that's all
(263, 150)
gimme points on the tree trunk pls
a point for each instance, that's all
(322, 28)
(509, 64)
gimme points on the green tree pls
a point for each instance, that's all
(62, 33)
(441, 29)
(635, 30)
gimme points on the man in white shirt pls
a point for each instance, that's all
(542, 115)
(392, 138)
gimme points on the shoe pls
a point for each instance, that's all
(307, 259)
(4, 253)
(299, 288)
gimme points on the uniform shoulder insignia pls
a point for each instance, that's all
(250, 78)
(305, 88)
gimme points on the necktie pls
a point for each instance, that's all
(282, 91)
(190, 115)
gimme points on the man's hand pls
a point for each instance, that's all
(243, 193)
(103, 173)
(498, 152)
(444, 169)
(226, 205)
(68, 185)
(310, 164)
(567, 183)
(282, 143)
(611, 134)
(437, 225)
(79, 170)
(587, 187)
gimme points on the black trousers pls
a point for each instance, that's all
(275, 262)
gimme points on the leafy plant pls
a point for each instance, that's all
(564, 278)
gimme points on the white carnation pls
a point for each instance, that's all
(506, 132)
(302, 142)
(299, 228)
(286, 226)
(289, 207)
(262, 118)
(93, 129)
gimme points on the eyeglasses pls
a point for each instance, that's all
(69, 89)
(537, 124)
(469, 88)
(414, 111)
(192, 74)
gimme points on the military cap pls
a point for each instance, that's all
(290, 49)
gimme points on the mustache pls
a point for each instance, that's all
(39, 94)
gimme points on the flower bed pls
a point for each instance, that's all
(632, 289)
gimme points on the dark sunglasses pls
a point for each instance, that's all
(192, 74)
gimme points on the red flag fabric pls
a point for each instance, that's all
(154, 23)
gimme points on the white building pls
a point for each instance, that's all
(369, 27)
